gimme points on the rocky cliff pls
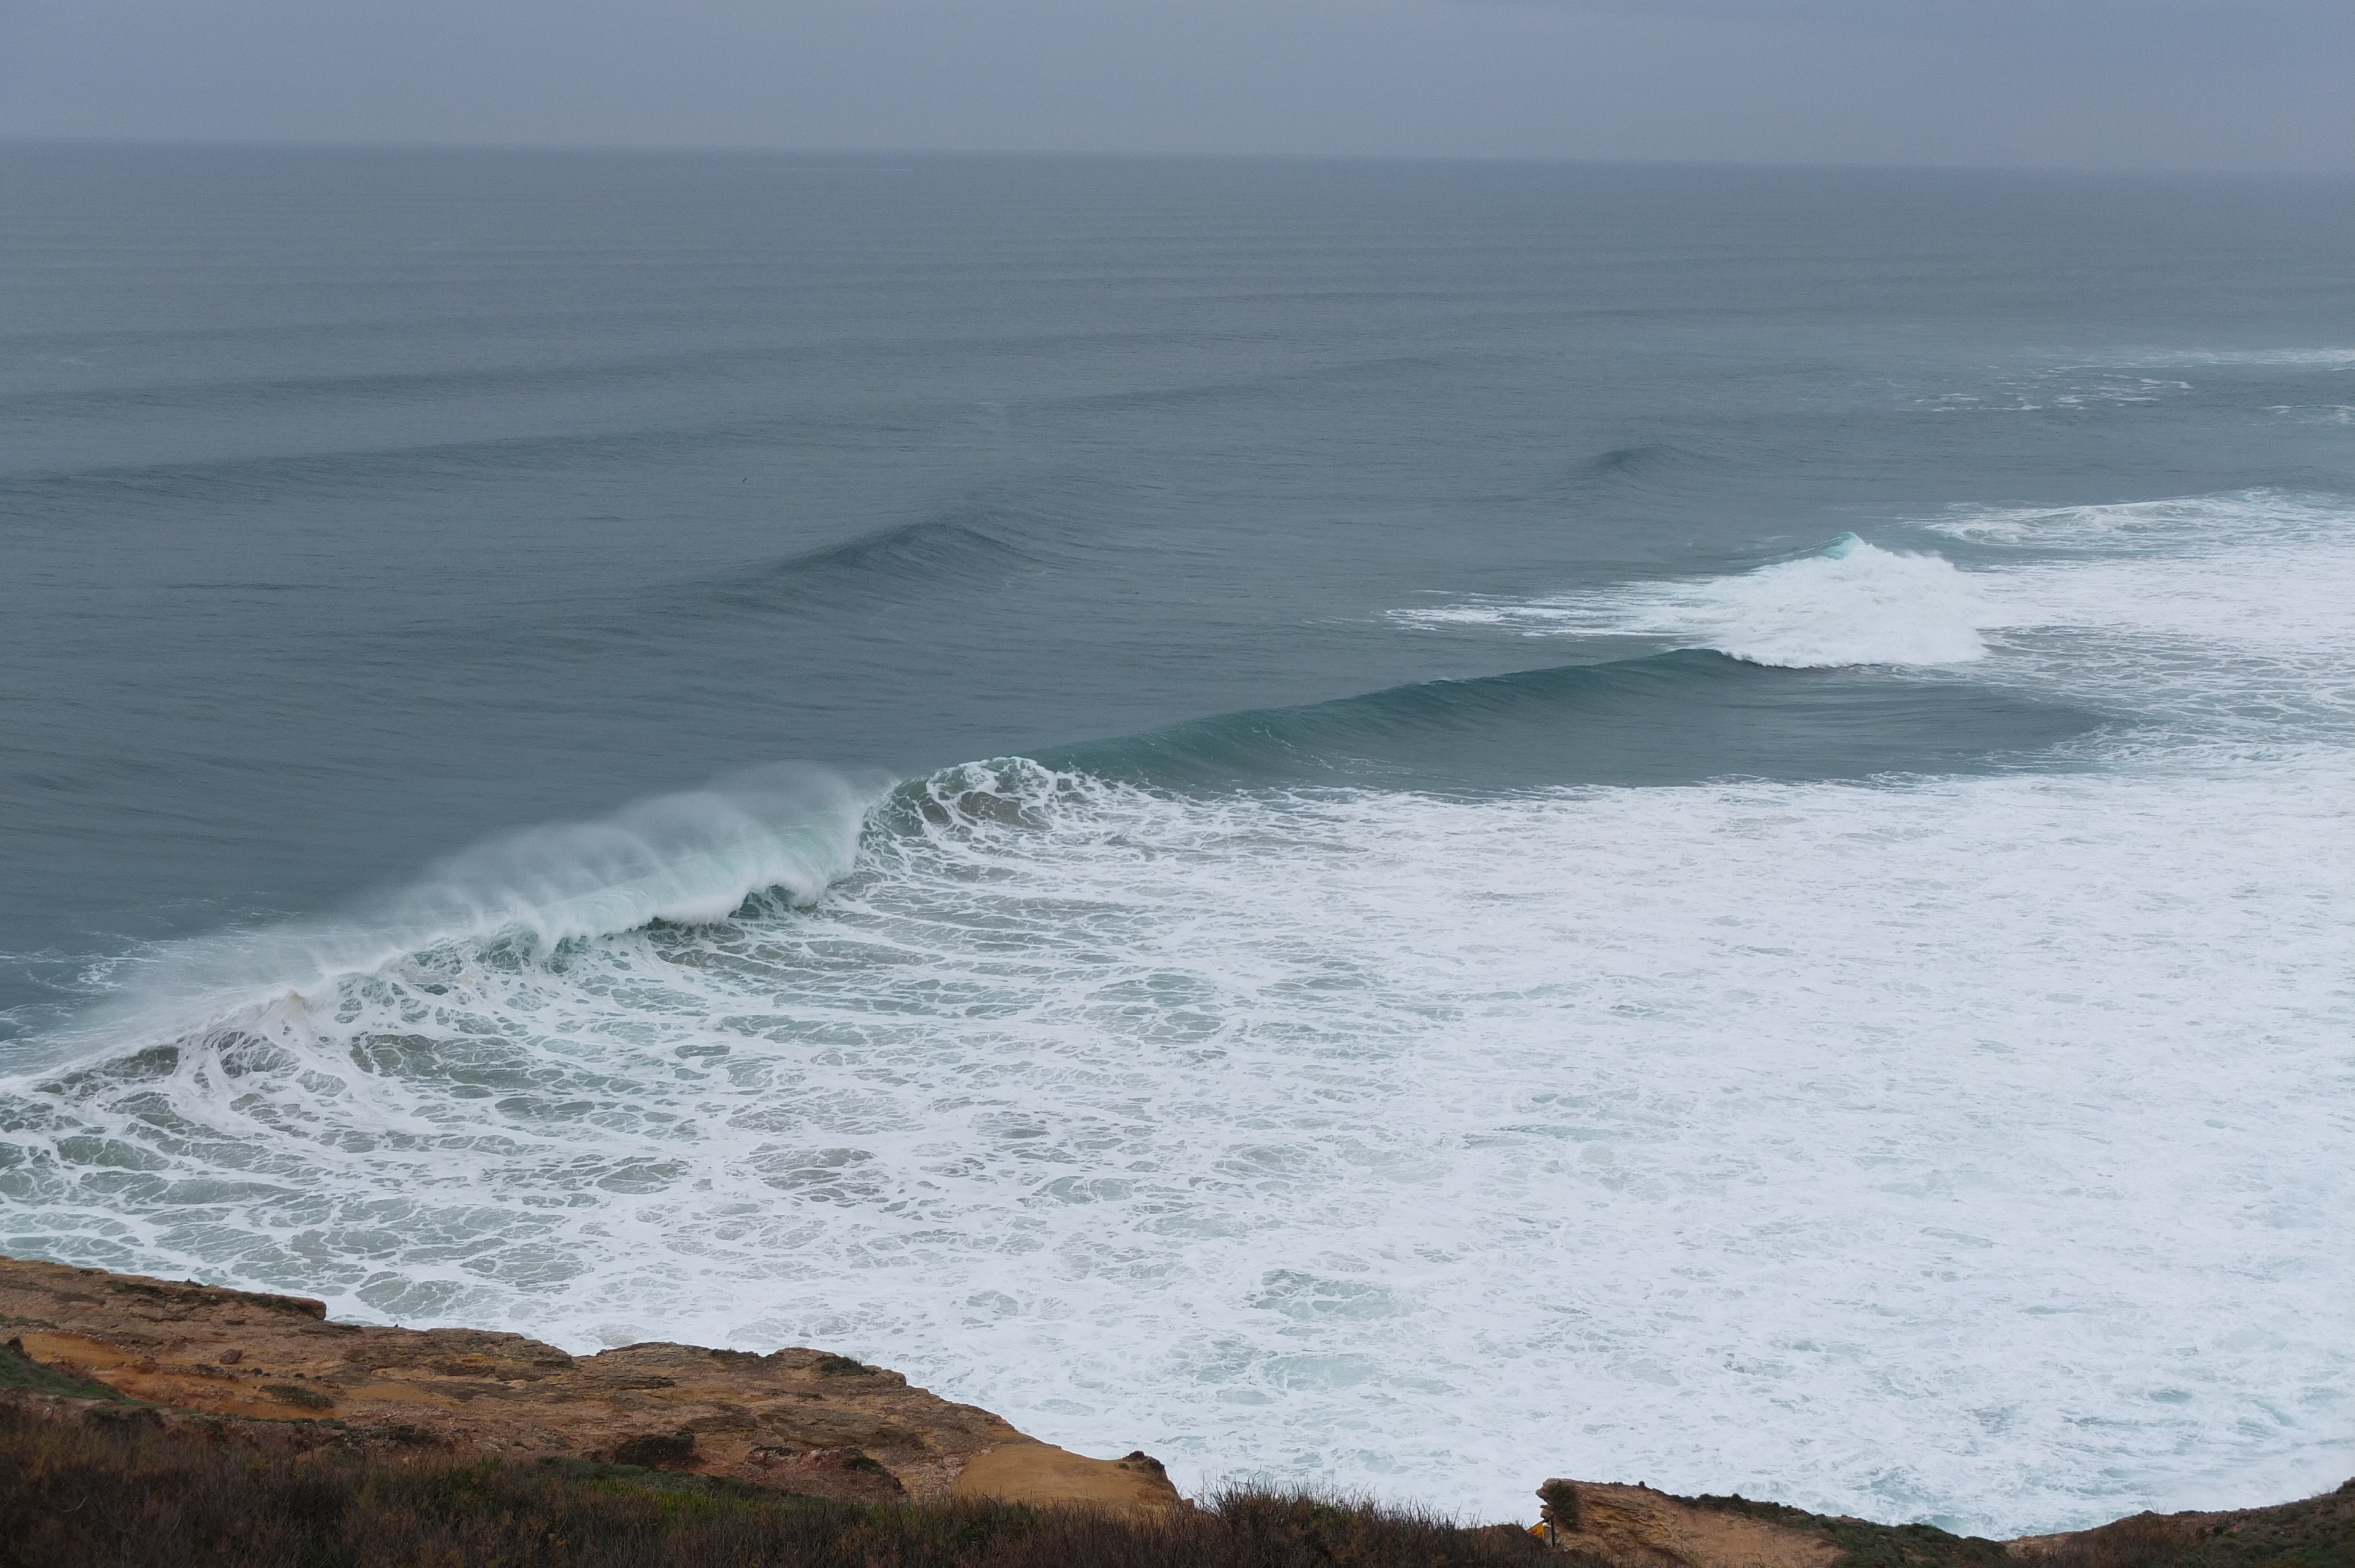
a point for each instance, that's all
(272, 1374)
(800, 1420)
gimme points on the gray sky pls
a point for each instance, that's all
(2251, 84)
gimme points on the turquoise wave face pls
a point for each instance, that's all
(1671, 718)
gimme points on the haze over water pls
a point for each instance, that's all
(1412, 825)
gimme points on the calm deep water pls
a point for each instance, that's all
(1407, 825)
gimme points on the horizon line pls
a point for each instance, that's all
(780, 150)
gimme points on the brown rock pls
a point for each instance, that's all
(1041, 1473)
(1636, 1526)
(845, 1473)
(800, 1420)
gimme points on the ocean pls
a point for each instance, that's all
(1401, 826)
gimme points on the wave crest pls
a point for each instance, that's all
(692, 858)
(1848, 603)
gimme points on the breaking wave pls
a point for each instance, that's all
(688, 857)
(2223, 612)
(1849, 603)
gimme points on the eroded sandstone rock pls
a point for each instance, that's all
(797, 1419)
(1636, 1526)
(1600, 1526)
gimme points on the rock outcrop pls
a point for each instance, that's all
(1636, 1526)
(798, 1420)
(1601, 1526)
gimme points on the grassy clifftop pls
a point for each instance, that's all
(2319, 1533)
(123, 1492)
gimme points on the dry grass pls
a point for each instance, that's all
(2316, 1533)
(124, 1493)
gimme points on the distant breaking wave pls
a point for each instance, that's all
(2224, 611)
(1849, 603)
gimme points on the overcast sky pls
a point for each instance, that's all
(2249, 84)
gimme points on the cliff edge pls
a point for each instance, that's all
(1602, 1526)
(275, 1376)
(799, 1420)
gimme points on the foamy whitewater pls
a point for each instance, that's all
(1961, 1139)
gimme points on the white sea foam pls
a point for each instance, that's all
(2292, 358)
(1956, 1150)
(2055, 387)
(1852, 603)
(2227, 612)
(2205, 526)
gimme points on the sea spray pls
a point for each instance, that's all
(688, 857)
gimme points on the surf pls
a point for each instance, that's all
(1843, 604)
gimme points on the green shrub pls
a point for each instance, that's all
(652, 1450)
(18, 1369)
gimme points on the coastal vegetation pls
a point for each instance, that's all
(115, 1486)
(125, 1492)
(2319, 1533)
